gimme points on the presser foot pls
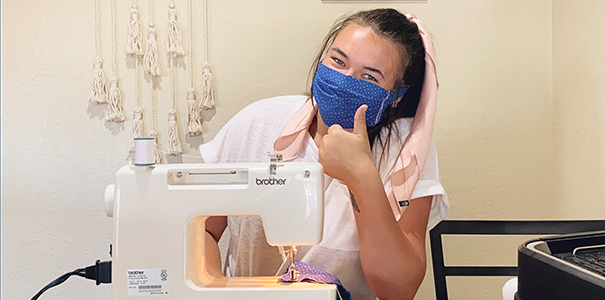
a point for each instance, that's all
(288, 262)
(293, 272)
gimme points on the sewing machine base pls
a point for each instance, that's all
(236, 288)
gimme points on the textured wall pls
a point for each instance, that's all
(494, 126)
(579, 107)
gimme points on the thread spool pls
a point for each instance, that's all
(143, 151)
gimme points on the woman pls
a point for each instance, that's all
(380, 196)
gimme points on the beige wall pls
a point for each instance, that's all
(499, 157)
(579, 107)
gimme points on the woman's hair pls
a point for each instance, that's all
(403, 34)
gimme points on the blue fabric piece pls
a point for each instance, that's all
(338, 97)
(308, 273)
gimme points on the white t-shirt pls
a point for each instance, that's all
(249, 137)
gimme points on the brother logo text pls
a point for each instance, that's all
(135, 272)
(270, 181)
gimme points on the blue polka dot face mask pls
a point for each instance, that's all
(338, 97)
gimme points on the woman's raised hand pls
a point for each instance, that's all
(346, 155)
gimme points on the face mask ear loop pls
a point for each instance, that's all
(389, 95)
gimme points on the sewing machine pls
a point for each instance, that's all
(159, 214)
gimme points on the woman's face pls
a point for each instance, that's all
(359, 52)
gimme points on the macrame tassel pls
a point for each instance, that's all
(150, 60)
(174, 145)
(98, 89)
(133, 45)
(194, 124)
(207, 89)
(137, 126)
(115, 113)
(173, 42)
(159, 159)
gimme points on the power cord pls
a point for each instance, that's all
(99, 272)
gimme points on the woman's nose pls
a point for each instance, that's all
(348, 72)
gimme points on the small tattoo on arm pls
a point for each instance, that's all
(354, 202)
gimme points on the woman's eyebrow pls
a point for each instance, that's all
(340, 52)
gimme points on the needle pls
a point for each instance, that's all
(293, 272)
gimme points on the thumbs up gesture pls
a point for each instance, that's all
(345, 154)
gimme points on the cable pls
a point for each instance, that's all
(58, 281)
(99, 272)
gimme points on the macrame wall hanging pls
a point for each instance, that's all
(207, 87)
(115, 112)
(148, 55)
(134, 50)
(194, 122)
(98, 88)
(175, 50)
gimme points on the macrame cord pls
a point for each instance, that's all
(115, 113)
(174, 38)
(194, 122)
(98, 88)
(133, 44)
(150, 60)
(151, 67)
(207, 87)
(159, 158)
(173, 43)
(134, 49)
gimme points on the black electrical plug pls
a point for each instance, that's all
(100, 272)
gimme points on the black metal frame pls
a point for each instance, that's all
(440, 271)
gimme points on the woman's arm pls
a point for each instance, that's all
(392, 253)
(215, 226)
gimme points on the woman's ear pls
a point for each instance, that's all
(396, 102)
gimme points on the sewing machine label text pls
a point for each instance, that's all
(270, 181)
(145, 282)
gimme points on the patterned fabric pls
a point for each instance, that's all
(339, 96)
(308, 273)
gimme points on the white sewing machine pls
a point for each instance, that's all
(159, 214)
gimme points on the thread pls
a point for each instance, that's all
(144, 152)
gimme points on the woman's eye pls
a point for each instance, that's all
(369, 77)
(338, 61)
